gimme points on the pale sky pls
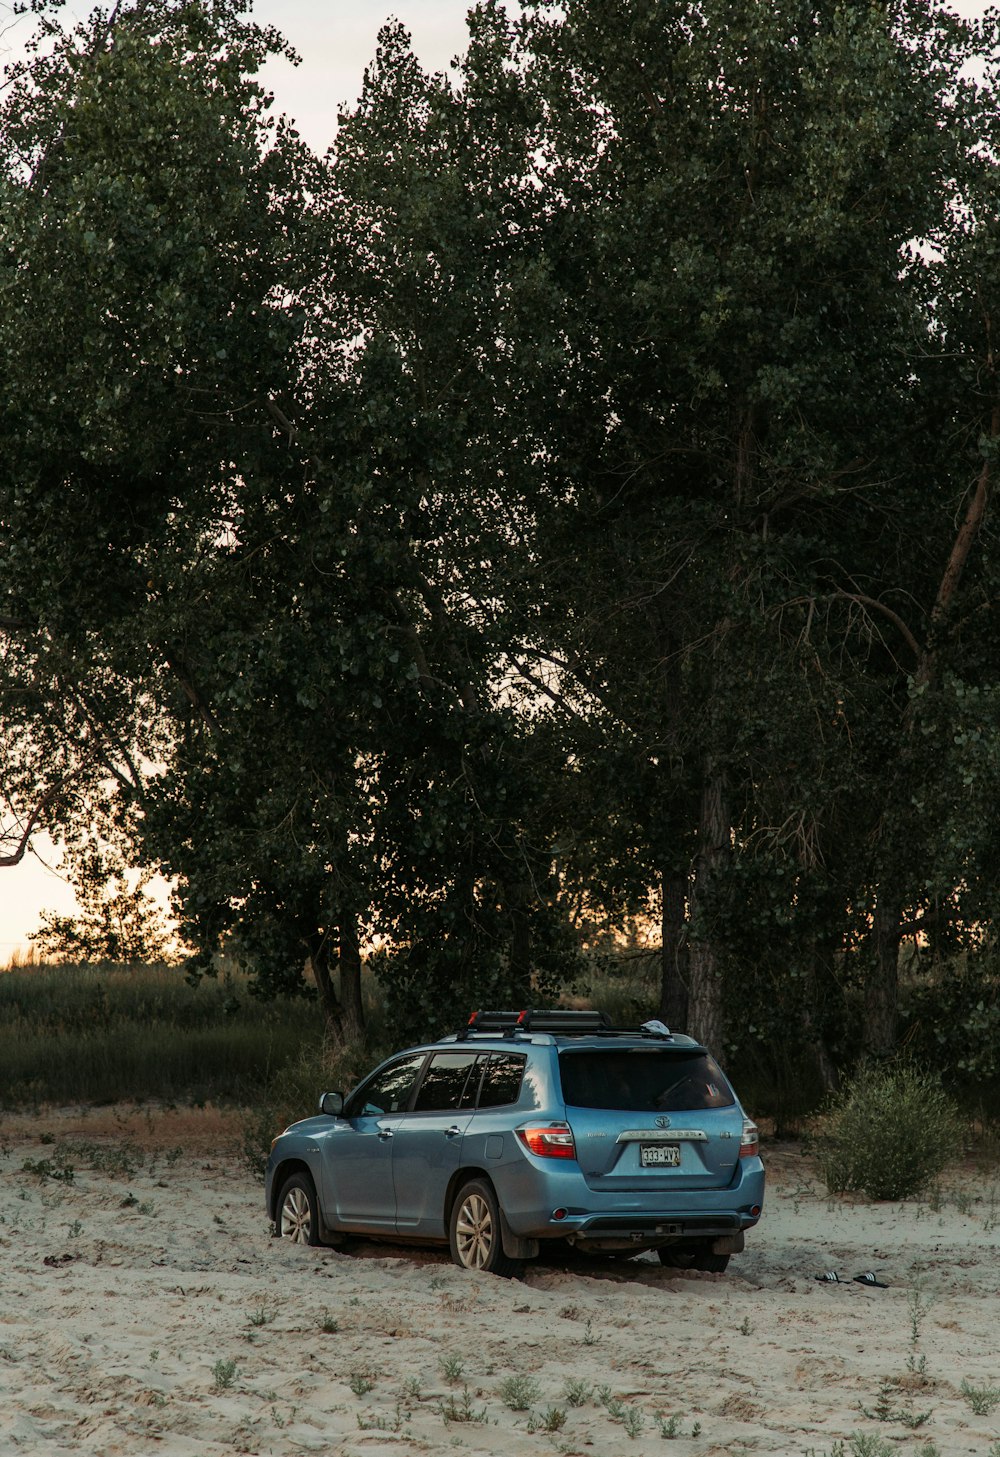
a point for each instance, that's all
(336, 39)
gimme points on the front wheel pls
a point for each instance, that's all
(684, 1257)
(298, 1211)
(474, 1231)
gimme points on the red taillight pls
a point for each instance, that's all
(749, 1139)
(549, 1141)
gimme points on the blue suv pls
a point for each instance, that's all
(525, 1127)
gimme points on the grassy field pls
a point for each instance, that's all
(96, 1034)
(108, 1033)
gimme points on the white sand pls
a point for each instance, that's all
(125, 1297)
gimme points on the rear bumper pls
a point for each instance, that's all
(547, 1203)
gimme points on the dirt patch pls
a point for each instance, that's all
(154, 1126)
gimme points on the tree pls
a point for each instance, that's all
(541, 496)
(116, 920)
(733, 329)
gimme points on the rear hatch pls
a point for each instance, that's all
(651, 1118)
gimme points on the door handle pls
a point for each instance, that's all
(384, 1133)
(453, 1131)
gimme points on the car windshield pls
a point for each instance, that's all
(643, 1080)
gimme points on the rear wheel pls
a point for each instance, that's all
(474, 1231)
(692, 1257)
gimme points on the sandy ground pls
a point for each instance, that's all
(146, 1310)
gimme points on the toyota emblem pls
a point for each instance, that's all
(662, 1122)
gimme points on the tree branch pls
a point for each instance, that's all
(15, 858)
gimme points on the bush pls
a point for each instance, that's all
(888, 1133)
(293, 1092)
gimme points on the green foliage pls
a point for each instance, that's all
(455, 1409)
(47, 1169)
(539, 507)
(224, 1373)
(117, 919)
(950, 1011)
(982, 1399)
(890, 1130)
(107, 1033)
(519, 1392)
(292, 1091)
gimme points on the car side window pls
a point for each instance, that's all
(446, 1083)
(502, 1079)
(388, 1091)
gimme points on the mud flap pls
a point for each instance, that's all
(514, 1247)
(728, 1244)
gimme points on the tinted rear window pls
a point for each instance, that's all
(643, 1080)
(502, 1079)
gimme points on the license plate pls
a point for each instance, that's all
(653, 1155)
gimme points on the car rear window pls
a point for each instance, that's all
(502, 1079)
(643, 1080)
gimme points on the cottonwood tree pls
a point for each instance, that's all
(558, 487)
(737, 337)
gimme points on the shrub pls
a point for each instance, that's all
(888, 1133)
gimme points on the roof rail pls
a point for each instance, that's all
(537, 1019)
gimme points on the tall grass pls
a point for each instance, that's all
(92, 1034)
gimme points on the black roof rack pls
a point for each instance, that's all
(534, 1019)
(563, 1022)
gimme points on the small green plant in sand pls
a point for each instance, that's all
(631, 1417)
(329, 1324)
(452, 1368)
(633, 1421)
(383, 1424)
(118, 1160)
(519, 1392)
(885, 1408)
(45, 1169)
(360, 1383)
(858, 1444)
(669, 1427)
(453, 1409)
(982, 1399)
(552, 1419)
(577, 1392)
(223, 1374)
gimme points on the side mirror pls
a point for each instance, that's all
(332, 1104)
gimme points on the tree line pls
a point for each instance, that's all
(567, 496)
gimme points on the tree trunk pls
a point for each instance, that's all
(352, 1006)
(673, 932)
(882, 986)
(520, 945)
(819, 979)
(705, 1016)
(319, 965)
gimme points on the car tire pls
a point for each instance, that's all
(686, 1257)
(297, 1215)
(474, 1231)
